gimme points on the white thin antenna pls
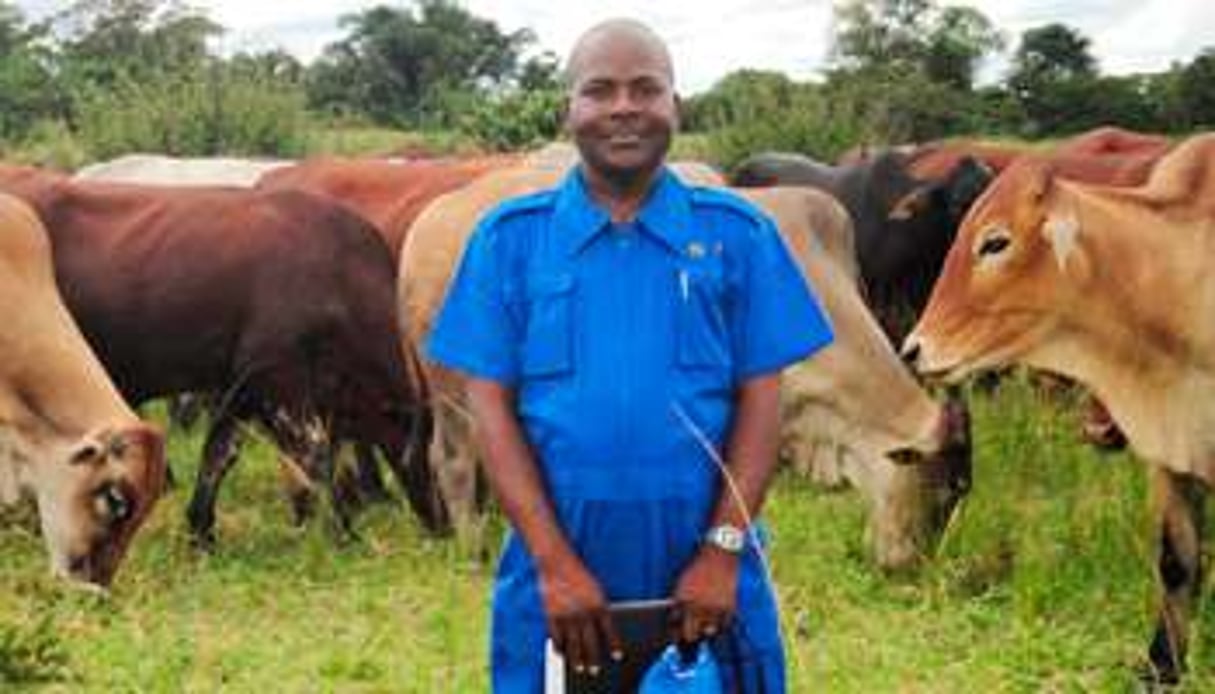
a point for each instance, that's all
(736, 497)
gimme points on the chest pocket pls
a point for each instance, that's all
(548, 348)
(702, 329)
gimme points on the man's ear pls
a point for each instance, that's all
(679, 106)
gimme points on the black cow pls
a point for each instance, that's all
(904, 226)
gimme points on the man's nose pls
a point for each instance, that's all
(624, 103)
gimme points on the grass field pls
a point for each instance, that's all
(1042, 584)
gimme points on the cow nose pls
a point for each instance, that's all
(911, 351)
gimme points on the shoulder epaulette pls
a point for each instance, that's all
(532, 202)
(716, 197)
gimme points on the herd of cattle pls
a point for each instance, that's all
(295, 295)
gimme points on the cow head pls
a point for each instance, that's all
(925, 488)
(93, 494)
(1019, 259)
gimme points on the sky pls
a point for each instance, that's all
(710, 38)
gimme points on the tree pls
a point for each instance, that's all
(26, 91)
(945, 44)
(108, 41)
(1054, 77)
(1196, 90)
(959, 39)
(400, 68)
(880, 32)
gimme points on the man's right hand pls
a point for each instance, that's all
(577, 613)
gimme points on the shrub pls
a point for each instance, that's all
(515, 120)
(195, 115)
(49, 143)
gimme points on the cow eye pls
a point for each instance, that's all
(994, 244)
(112, 505)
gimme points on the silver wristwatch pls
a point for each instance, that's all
(727, 538)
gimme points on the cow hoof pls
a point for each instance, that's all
(203, 541)
(1162, 668)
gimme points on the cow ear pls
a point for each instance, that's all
(1040, 184)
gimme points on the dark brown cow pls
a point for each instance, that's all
(281, 301)
(387, 193)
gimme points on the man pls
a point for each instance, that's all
(618, 334)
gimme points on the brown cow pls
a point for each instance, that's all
(1110, 286)
(855, 402)
(66, 436)
(389, 194)
(282, 302)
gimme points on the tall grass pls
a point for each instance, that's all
(1044, 583)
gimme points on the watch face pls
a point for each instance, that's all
(727, 537)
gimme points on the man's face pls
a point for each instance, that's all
(622, 107)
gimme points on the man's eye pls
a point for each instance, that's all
(596, 91)
(647, 90)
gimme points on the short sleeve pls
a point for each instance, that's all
(779, 321)
(475, 332)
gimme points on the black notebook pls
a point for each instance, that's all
(645, 628)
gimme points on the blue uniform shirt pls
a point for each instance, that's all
(609, 333)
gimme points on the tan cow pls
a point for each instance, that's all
(66, 437)
(1112, 287)
(854, 402)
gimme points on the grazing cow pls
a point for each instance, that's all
(389, 194)
(161, 170)
(854, 401)
(281, 302)
(66, 436)
(1110, 286)
(904, 226)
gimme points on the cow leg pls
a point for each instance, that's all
(322, 457)
(219, 453)
(452, 446)
(368, 483)
(1178, 506)
(298, 487)
(414, 468)
(307, 440)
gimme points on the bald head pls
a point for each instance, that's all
(617, 36)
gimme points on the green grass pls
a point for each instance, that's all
(1043, 584)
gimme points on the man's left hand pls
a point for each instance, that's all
(707, 594)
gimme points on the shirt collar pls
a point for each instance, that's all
(665, 214)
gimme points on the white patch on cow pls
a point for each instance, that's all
(1062, 232)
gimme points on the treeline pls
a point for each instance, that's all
(905, 71)
(110, 76)
(103, 77)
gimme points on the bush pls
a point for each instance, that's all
(516, 120)
(51, 144)
(752, 111)
(195, 115)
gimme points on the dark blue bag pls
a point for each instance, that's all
(673, 673)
